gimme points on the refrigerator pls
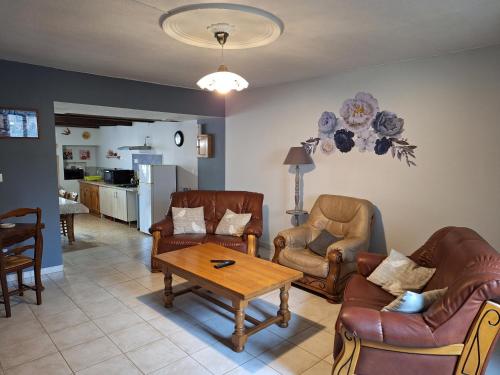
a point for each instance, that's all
(156, 183)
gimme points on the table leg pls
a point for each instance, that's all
(239, 337)
(71, 227)
(283, 311)
(168, 294)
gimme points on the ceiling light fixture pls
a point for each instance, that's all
(223, 81)
(249, 27)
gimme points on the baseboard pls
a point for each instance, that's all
(31, 274)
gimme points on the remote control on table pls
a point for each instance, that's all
(225, 264)
(218, 260)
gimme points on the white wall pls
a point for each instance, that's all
(162, 141)
(75, 139)
(451, 110)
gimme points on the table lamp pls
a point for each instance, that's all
(297, 156)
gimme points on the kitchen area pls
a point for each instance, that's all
(123, 164)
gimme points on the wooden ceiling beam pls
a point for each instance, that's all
(78, 120)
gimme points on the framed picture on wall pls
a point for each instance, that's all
(67, 154)
(84, 154)
(18, 123)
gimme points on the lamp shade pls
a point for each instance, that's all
(297, 155)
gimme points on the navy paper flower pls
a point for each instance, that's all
(382, 146)
(388, 124)
(343, 140)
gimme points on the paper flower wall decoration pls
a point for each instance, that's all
(363, 125)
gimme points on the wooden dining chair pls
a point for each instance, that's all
(65, 219)
(13, 258)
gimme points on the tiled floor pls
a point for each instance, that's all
(104, 315)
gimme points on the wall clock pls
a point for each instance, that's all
(179, 138)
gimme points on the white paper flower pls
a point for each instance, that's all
(359, 112)
(365, 140)
(327, 146)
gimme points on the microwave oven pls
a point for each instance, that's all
(118, 176)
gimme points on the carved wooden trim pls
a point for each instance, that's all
(332, 279)
(155, 266)
(251, 245)
(480, 341)
(345, 363)
(279, 244)
(454, 349)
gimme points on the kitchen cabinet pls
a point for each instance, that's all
(118, 203)
(89, 197)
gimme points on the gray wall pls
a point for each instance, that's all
(212, 171)
(29, 165)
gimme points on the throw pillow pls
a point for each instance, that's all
(412, 303)
(398, 273)
(233, 224)
(321, 243)
(188, 220)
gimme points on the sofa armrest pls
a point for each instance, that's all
(296, 236)
(407, 330)
(165, 226)
(254, 227)
(348, 247)
(367, 262)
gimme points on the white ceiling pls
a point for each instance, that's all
(122, 38)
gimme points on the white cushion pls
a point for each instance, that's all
(398, 273)
(233, 224)
(188, 220)
(411, 302)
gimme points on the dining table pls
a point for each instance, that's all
(67, 210)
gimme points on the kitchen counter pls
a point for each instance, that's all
(102, 183)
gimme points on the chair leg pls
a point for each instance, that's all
(5, 294)
(20, 282)
(38, 284)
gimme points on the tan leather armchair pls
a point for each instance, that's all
(344, 217)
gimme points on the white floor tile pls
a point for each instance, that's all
(53, 364)
(119, 365)
(35, 348)
(134, 337)
(187, 366)
(289, 359)
(219, 358)
(156, 355)
(118, 321)
(76, 335)
(255, 367)
(320, 368)
(86, 355)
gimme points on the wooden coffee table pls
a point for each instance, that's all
(249, 278)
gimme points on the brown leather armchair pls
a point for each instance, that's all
(214, 205)
(454, 336)
(345, 217)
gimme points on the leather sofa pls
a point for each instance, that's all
(345, 217)
(214, 205)
(454, 336)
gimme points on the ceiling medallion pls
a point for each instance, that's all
(248, 27)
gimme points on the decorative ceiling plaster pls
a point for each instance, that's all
(123, 38)
(196, 24)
